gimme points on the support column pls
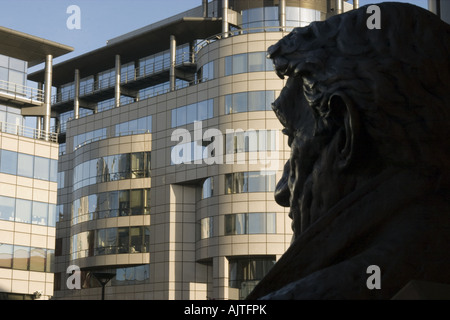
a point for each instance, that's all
(339, 6)
(192, 52)
(282, 10)
(117, 83)
(48, 95)
(40, 86)
(76, 100)
(173, 52)
(205, 8)
(355, 4)
(225, 18)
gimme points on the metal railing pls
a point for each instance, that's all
(127, 76)
(28, 132)
(22, 92)
(203, 43)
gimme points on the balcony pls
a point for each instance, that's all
(19, 95)
(27, 132)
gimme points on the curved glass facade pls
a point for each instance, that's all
(112, 168)
(111, 204)
(255, 181)
(110, 241)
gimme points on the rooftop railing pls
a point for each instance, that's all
(21, 92)
(145, 70)
(28, 132)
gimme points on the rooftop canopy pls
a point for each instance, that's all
(29, 48)
(133, 46)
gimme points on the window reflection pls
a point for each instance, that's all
(194, 112)
(110, 241)
(27, 211)
(250, 223)
(239, 182)
(249, 101)
(246, 272)
(112, 168)
(28, 165)
(247, 62)
(111, 204)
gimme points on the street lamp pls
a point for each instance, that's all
(103, 278)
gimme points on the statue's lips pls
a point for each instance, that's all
(282, 192)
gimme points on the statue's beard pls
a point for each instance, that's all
(306, 154)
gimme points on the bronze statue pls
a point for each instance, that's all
(367, 115)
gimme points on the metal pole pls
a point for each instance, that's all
(355, 4)
(225, 18)
(48, 94)
(282, 9)
(173, 52)
(117, 83)
(76, 101)
(205, 8)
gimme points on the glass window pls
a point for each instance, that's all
(37, 259)
(174, 118)
(235, 224)
(8, 162)
(16, 77)
(256, 61)
(21, 257)
(136, 239)
(25, 165)
(271, 222)
(208, 188)
(256, 223)
(51, 215)
(228, 66)
(257, 101)
(206, 225)
(293, 13)
(256, 182)
(23, 210)
(17, 64)
(7, 208)
(239, 63)
(181, 116)
(41, 168)
(124, 202)
(6, 254)
(228, 104)
(137, 201)
(202, 110)
(271, 13)
(191, 113)
(3, 74)
(40, 213)
(124, 166)
(240, 102)
(111, 240)
(245, 273)
(53, 170)
(50, 261)
(4, 61)
(123, 240)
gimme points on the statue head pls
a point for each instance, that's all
(360, 101)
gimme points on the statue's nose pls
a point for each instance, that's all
(282, 192)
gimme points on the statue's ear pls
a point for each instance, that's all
(346, 115)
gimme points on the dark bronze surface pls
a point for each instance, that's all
(367, 115)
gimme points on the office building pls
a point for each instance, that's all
(170, 152)
(28, 168)
(441, 8)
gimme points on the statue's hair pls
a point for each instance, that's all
(397, 76)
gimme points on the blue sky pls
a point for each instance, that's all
(101, 20)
